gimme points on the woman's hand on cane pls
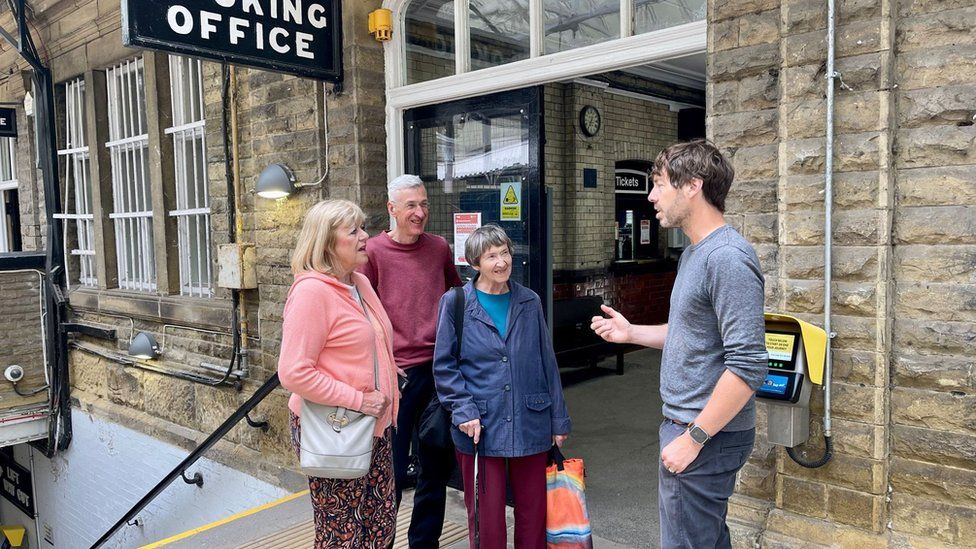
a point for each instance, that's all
(472, 429)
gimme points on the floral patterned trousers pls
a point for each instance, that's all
(357, 513)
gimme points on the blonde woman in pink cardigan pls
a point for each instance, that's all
(327, 352)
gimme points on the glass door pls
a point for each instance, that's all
(481, 160)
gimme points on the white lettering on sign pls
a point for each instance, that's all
(207, 27)
(275, 45)
(628, 182)
(3, 121)
(182, 20)
(235, 28)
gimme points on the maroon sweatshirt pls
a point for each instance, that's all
(410, 280)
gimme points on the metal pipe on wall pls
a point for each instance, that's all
(831, 76)
(242, 359)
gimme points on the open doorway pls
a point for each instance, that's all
(602, 134)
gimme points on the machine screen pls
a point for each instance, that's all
(781, 347)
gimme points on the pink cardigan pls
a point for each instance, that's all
(327, 346)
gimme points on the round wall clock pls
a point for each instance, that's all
(589, 120)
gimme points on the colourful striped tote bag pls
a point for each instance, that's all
(567, 522)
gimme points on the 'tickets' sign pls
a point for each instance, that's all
(630, 181)
(302, 37)
(8, 122)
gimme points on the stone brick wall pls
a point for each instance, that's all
(903, 229)
(21, 337)
(333, 138)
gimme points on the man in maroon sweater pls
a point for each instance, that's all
(410, 271)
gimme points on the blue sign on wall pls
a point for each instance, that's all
(300, 37)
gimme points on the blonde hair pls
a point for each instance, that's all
(315, 249)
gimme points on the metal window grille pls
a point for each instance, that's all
(131, 198)
(77, 180)
(192, 211)
(8, 186)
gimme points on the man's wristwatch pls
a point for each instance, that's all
(698, 434)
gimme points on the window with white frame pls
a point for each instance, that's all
(192, 211)
(488, 33)
(77, 181)
(9, 225)
(131, 198)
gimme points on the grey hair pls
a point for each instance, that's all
(483, 238)
(405, 181)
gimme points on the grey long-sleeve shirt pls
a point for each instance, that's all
(715, 324)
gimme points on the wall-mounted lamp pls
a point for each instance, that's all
(144, 346)
(276, 181)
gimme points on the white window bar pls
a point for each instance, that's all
(192, 211)
(131, 197)
(8, 182)
(77, 181)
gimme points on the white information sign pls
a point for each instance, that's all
(464, 225)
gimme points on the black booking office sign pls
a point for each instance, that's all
(16, 484)
(8, 122)
(302, 37)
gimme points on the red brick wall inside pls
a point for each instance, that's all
(642, 298)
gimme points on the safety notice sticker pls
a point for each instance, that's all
(511, 201)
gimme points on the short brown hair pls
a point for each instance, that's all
(315, 249)
(698, 159)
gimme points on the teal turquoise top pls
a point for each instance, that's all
(496, 305)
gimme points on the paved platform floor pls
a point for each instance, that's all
(615, 420)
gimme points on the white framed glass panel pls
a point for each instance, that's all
(8, 195)
(131, 197)
(499, 32)
(573, 24)
(429, 36)
(75, 157)
(652, 15)
(192, 211)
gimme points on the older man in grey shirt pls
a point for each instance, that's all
(714, 356)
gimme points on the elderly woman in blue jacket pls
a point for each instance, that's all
(503, 392)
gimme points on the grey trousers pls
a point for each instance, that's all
(693, 503)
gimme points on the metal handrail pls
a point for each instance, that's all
(180, 470)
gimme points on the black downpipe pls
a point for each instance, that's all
(180, 469)
(820, 462)
(59, 423)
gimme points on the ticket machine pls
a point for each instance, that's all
(796, 362)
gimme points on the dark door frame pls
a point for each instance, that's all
(529, 103)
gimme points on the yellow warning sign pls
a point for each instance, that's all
(511, 201)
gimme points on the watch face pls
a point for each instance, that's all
(698, 434)
(590, 120)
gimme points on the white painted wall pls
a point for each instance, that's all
(107, 468)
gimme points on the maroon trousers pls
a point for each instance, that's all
(527, 476)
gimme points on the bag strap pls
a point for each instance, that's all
(458, 320)
(376, 360)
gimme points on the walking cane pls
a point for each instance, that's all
(477, 517)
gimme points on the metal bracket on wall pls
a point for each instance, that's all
(197, 478)
(263, 425)
(90, 330)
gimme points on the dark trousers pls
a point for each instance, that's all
(693, 503)
(436, 464)
(527, 476)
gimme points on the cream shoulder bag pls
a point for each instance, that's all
(336, 442)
